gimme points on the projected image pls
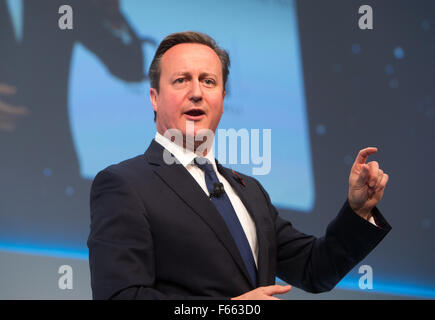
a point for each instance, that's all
(92, 108)
(44, 197)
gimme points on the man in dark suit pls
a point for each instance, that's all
(192, 229)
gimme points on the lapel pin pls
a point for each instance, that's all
(238, 178)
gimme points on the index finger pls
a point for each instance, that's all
(364, 154)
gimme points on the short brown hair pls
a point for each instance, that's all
(186, 37)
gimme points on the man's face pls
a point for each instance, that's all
(191, 89)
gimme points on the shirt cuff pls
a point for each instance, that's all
(373, 221)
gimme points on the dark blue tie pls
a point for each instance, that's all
(226, 210)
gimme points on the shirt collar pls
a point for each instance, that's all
(183, 155)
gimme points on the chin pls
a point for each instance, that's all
(197, 126)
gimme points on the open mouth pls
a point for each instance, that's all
(194, 112)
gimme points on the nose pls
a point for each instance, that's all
(195, 94)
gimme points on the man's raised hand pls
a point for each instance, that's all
(366, 183)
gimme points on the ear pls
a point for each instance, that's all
(153, 98)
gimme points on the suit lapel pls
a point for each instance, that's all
(184, 185)
(249, 198)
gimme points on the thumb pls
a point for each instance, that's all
(276, 289)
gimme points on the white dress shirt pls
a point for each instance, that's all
(186, 157)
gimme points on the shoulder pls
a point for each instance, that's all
(130, 171)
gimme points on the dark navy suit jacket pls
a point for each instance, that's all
(155, 234)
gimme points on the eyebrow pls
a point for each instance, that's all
(202, 74)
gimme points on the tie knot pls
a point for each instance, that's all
(204, 164)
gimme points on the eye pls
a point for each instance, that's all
(179, 80)
(209, 82)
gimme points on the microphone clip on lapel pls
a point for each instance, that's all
(218, 190)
